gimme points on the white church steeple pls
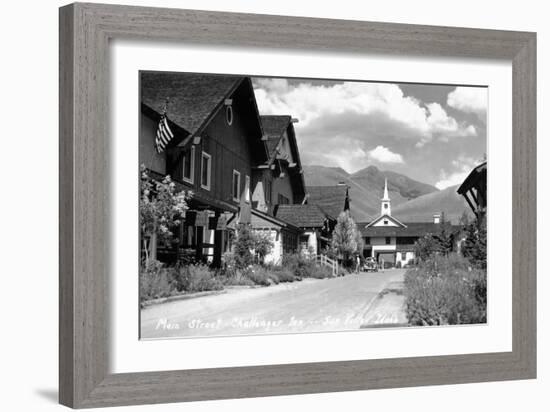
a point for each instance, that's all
(385, 208)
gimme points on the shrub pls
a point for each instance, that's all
(299, 265)
(229, 264)
(445, 290)
(237, 279)
(283, 273)
(244, 244)
(155, 281)
(475, 244)
(261, 275)
(321, 272)
(196, 278)
(262, 245)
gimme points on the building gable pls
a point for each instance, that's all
(386, 221)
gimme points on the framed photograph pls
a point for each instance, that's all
(256, 205)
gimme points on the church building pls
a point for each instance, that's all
(389, 239)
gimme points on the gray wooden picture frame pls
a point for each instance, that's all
(85, 31)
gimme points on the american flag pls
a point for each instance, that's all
(164, 134)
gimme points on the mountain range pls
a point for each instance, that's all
(412, 201)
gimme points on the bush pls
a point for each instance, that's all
(321, 272)
(155, 281)
(261, 275)
(196, 278)
(262, 245)
(446, 290)
(475, 243)
(300, 266)
(244, 244)
(282, 273)
(238, 279)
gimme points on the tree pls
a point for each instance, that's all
(161, 208)
(464, 219)
(426, 246)
(262, 245)
(475, 244)
(244, 246)
(346, 237)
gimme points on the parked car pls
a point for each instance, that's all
(370, 265)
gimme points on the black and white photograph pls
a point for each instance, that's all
(274, 205)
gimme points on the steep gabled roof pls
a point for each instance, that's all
(274, 128)
(411, 230)
(332, 199)
(304, 216)
(392, 218)
(476, 178)
(193, 98)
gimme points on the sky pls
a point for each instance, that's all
(432, 133)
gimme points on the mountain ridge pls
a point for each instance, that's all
(366, 189)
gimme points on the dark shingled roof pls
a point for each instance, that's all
(332, 199)
(193, 97)
(302, 215)
(412, 229)
(274, 127)
(476, 178)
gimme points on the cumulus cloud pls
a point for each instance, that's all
(469, 100)
(403, 117)
(384, 155)
(461, 169)
(342, 152)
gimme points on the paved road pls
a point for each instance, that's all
(306, 306)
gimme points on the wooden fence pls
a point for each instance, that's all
(324, 260)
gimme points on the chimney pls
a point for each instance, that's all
(437, 218)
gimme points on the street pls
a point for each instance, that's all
(311, 305)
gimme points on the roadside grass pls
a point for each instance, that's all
(160, 281)
(446, 290)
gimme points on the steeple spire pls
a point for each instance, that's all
(385, 207)
(386, 196)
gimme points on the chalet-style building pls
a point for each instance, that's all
(218, 143)
(317, 216)
(239, 166)
(332, 199)
(278, 181)
(389, 239)
(474, 190)
(315, 225)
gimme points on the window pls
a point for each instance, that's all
(206, 166)
(282, 200)
(229, 115)
(388, 240)
(236, 185)
(268, 191)
(385, 222)
(403, 255)
(247, 189)
(367, 240)
(188, 164)
(385, 205)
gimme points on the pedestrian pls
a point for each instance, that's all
(358, 264)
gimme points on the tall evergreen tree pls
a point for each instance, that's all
(346, 238)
